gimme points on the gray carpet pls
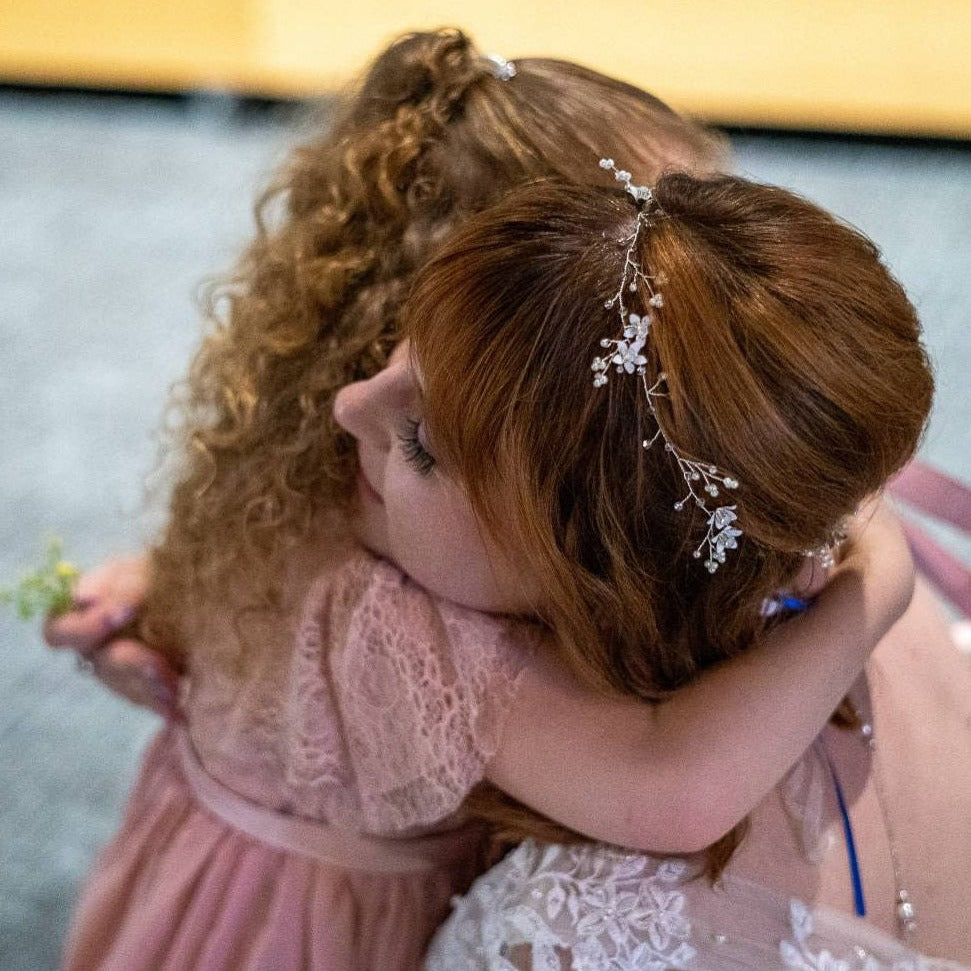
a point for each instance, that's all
(111, 210)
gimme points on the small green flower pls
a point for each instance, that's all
(48, 590)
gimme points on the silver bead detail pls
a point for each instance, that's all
(906, 914)
(866, 733)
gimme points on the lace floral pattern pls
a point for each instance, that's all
(422, 687)
(379, 714)
(597, 908)
(797, 952)
(569, 908)
(317, 757)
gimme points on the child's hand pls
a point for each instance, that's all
(811, 579)
(106, 601)
(877, 552)
(139, 674)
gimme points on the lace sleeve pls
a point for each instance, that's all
(423, 686)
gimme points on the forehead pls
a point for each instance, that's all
(404, 367)
(401, 353)
(399, 380)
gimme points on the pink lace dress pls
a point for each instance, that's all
(308, 817)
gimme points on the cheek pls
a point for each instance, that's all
(440, 548)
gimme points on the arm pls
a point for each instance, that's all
(105, 603)
(676, 776)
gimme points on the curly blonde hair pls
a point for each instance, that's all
(428, 137)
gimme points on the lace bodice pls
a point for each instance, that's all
(376, 713)
(593, 908)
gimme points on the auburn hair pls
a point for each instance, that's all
(426, 138)
(794, 363)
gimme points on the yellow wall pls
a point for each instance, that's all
(866, 65)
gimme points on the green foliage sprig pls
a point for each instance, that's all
(48, 590)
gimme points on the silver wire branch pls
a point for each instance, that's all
(626, 355)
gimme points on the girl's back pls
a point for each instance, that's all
(316, 795)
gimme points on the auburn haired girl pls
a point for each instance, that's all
(656, 401)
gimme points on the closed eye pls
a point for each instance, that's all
(415, 453)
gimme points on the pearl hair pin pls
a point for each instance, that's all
(502, 69)
(625, 354)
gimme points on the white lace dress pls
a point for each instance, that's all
(594, 908)
(598, 908)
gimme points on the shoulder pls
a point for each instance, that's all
(378, 594)
(364, 603)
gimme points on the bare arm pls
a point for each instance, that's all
(675, 777)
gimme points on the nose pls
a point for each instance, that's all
(367, 409)
(355, 411)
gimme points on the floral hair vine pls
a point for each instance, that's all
(625, 353)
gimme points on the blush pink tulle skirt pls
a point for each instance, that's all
(181, 888)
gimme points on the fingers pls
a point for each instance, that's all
(105, 600)
(876, 529)
(88, 626)
(138, 674)
(811, 578)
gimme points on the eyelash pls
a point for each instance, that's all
(414, 452)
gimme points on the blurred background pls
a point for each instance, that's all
(867, 65)
(134, 137)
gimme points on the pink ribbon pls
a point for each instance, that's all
(938, 495)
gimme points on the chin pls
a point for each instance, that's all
(370, 538)
(469, 595)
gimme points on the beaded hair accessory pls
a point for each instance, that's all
(704, 480)
(502, 69)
